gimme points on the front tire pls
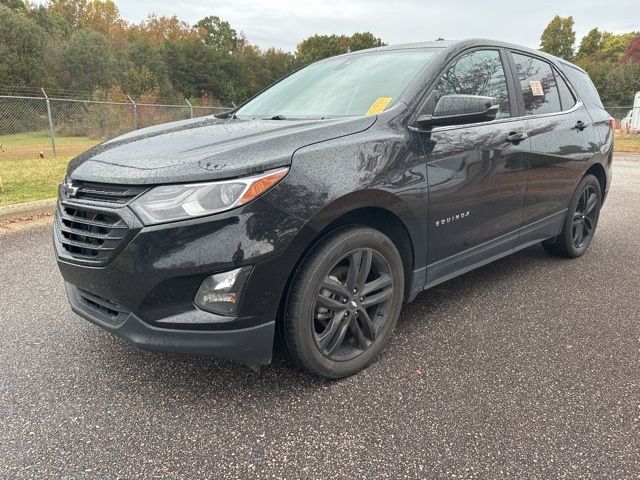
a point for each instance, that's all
(580, 223)
(344, 302)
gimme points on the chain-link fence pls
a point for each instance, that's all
(40, 127)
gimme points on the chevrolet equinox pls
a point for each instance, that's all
(309, 214)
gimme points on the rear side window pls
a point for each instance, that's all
(538, 85)
(583, 84)
(477, 73)
(566, 97)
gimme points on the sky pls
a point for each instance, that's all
(284, 23)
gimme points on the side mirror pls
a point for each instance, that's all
(461, 109)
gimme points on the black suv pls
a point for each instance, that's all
(310, 213)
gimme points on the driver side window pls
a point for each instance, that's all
(477, 73)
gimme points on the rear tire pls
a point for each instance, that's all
(580, 222)
(343, 303)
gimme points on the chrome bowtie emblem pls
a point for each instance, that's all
(69, 190)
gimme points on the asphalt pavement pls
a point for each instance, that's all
(525, 368)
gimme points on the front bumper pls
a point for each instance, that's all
(145, 291)
(252, 345)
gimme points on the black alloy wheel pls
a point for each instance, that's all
(585, 217)
(352, 304)
(343, 303)
(580, 222)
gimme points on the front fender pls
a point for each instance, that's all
(379, 168)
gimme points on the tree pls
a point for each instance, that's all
(632, 54)
(590, 43)
(14, 4)
(159, 29)
(558, 38)
(100, 15)
(88, 61)
(22, 50)
(621, 84)
(278, 63)
(603, 55)
(613, 46)
(361, 41)
(218, 34)
(318, 47)
(143, 69)
(196, 69)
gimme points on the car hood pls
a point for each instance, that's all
(205, 149)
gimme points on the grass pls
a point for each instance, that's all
(28, 180)
(25, 177)
(27, 146)
(626, 142)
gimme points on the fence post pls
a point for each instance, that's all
(190, 106)
(51, 130)
(135, 112)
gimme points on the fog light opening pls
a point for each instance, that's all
(220, 293)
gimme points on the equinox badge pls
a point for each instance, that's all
(452, 218)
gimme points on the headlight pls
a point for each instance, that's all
(176, 202)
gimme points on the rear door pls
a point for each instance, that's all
(562, 143)
(476, 174)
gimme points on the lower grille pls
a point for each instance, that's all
(88, 234)
(108, 311)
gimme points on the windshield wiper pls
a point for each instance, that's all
(226, 115)
(278, 117)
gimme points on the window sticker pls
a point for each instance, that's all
(379, 105)
(536, 88)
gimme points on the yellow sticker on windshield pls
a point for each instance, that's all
(379, 105)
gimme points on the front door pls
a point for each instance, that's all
(476, 172)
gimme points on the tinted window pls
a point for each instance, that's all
(583, 84)
(476, 73)
(566, 97)
(538, 85)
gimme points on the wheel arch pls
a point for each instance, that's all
(376, 209)
(386, 222)
(598, 171)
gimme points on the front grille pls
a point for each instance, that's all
(89, 234)
(106, 193)
(108, 311)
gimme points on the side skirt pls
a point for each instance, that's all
(480, 255)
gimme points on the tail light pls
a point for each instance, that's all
(612, 122)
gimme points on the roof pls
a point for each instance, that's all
(471, 42)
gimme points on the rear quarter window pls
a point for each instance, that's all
(566, 97)
(583, 85)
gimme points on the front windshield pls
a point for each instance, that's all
(363, 84)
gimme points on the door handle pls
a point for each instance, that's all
(580, 125)
(516, 137)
